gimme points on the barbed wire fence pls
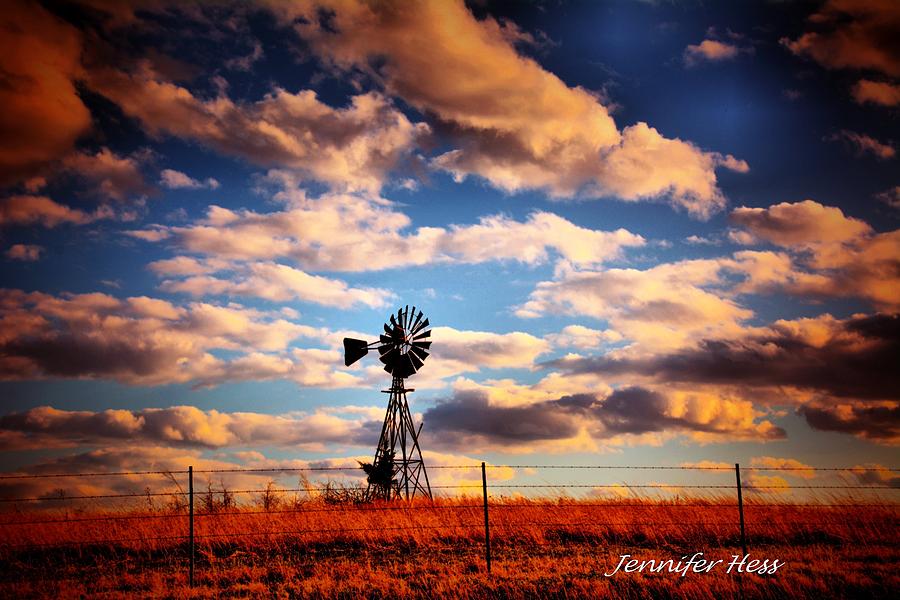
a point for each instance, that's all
(184, 507)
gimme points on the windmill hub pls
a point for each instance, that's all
(398, 470)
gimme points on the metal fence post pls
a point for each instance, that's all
(191, 520)
(737, 473)
(487, 527)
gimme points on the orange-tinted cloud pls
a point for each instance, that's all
(853, 34)
(469, 419)
(800, 224)
(42, 112)
(845, 257)
(862, 144)
(709, 50)
(343, 232)
(876, 92)
(108, 175)
(877, 421)
(40, 210)
(796, 468)
(275, 282)
(348, 148)
(176, 180)
(838, 370)
(148, 341)
(185, 426)
(24, 252)
(666, 306)
(513, 122)
(890, 197)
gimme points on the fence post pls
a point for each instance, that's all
(191, 521)
(737, 473)
(487, 527)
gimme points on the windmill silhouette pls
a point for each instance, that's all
(398, 470)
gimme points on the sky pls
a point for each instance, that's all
(645, 233)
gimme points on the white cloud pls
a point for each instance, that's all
(176, 180)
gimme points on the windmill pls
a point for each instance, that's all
(398, 470)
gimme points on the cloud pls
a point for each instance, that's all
(664, 306)
(41, 210)
(110, 176)
(342, 232)
(469, 419)
(846, 256)
(881, 93)
(24, 252)
(805, 223)
(843, 358)
(709, 50)
(349, 148)
(876, 474)
(767, 485)
(43, 114)
(148, 341)
(182, 426)
(877, 422)
(583, 338)
(853, 34)
(823, 363)
(864, 144)
(275, 282)
(797, 468)
(890, 197)
(176, 180)
(460, 351)
(512, 122)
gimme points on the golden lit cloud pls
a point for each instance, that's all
(513, 122)
(42, 113)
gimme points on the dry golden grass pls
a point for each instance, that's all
(542, 548)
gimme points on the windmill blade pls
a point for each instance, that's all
(385, 339)
(412, 328)
(406, 319)
(416, 361)
(422, 345)
(387, 329)
(420, 326)
(394, 321)
(390, 356)
(423, 335)
(419, 353)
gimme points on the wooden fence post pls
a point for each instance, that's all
(737, 473)
(191, 520)
(487, 527)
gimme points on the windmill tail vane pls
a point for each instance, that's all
(398, 470)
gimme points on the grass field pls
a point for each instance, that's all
(541, 548)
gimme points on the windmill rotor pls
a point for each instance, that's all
(402, 348)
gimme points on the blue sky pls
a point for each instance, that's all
(646, 233)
